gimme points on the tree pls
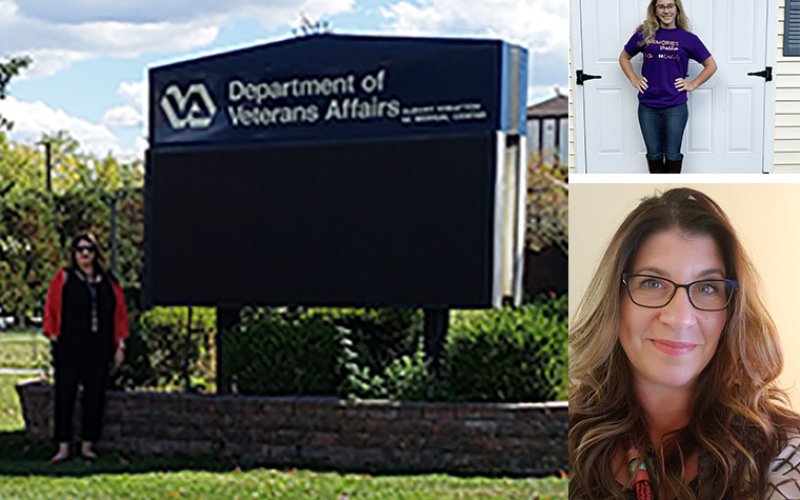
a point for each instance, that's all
(8, 70)
(20, 167)
(29, 251)
(36, 225)
(548, 191)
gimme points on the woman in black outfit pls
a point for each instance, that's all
(86, 318)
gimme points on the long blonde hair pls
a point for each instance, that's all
(650, 25)
(740, 418)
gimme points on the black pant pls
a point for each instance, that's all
(87, 363)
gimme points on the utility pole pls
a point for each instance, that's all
(113, 206)
(49, 165)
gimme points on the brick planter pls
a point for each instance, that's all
(468, 438)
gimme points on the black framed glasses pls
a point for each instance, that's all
(647, 290)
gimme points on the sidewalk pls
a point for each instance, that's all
(21, 371)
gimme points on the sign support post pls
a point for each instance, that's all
(227, 318)
(436, 324)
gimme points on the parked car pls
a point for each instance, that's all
(6, 321)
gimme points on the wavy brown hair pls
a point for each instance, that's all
(651, 24)
(740, 418)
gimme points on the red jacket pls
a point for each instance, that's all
(52, 310)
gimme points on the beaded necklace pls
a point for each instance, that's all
(637, 468)
(91, 284)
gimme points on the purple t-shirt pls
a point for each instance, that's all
(665, 59)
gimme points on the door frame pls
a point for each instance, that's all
(576, 44)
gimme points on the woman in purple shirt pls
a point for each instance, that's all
(666, 46)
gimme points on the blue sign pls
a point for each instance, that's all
(340, 87)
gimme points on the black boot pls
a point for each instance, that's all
(673, 166)
(655, 166)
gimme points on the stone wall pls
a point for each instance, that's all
(467, 438)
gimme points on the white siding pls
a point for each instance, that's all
(552, 127)
(533, 136)
(787, 107)
(572, 163)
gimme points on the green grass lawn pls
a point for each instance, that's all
(24, 350)
(25, 473)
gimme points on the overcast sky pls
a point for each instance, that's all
(91, 56)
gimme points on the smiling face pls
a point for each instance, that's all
(666, 13)
(669, 346)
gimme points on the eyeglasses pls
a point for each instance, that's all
(654, 291)
(84, 249)
(662, 8)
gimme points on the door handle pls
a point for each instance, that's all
(766, 74)
(582, 77)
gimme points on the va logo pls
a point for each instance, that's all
(193, 109)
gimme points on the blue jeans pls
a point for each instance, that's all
(662, 130)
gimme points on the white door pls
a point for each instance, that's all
(730, 116)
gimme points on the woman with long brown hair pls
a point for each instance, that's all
(666, 45)
(673, 361)
(86, 319)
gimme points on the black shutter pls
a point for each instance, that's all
(791, 28)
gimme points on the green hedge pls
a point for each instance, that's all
(511, 354)
(377, 336)
(280, 354)
(508, 355)
(157, 350)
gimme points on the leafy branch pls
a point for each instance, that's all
(9, 70)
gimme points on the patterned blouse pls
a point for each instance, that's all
(784, 475)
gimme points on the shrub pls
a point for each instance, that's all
(279, 354)
(136, 371)
(410, 378)
(551, 305)
(407, 378)
(156, 349)
(497, 355)
(358, 380)
(505, 355)
(377, 336)
(508, 354)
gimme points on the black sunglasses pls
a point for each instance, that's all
(84, 249)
